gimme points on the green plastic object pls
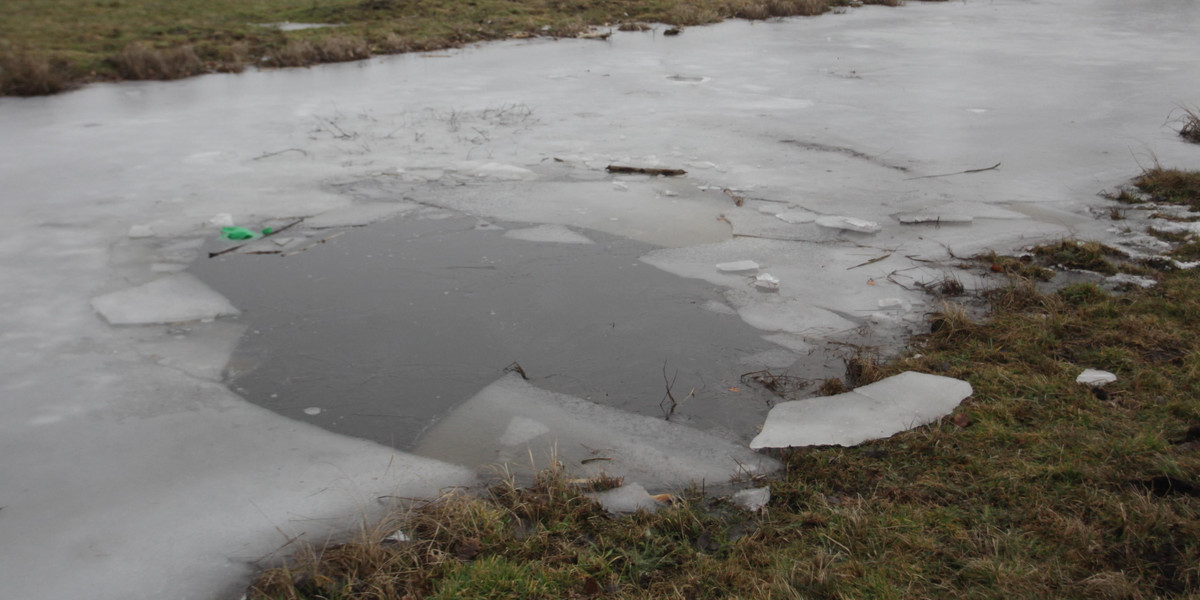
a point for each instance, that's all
(241, 233)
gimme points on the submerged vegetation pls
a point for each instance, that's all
(47, 46)
(1036, 487)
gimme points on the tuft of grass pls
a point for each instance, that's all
(1189, 123)
(1171, 186)
(29, 73)
(142, 61)
(1074, 254)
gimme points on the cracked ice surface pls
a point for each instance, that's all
(129, 472)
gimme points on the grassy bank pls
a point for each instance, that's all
(1036, 487)
(47, 46)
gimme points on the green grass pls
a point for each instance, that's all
(1036, 487)
(47, 46)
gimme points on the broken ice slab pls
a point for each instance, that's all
(173, 299)
(513, 422)
(739, 266)
(753, 500)
(848, 224)
(359, 214)
(875, 411)
(1095, 377)
(796, 217)
(557, 234)
(766, 282)
(503, 172)
(627, 499)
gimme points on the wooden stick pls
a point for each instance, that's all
(646, 171)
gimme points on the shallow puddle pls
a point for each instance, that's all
(381, 331)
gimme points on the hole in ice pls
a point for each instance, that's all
(390, 327)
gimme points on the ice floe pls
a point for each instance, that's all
(513, 422)
(556, 234)
(874, 411)
(176, 298)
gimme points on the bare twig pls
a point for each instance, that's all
(737, 200)
(995, 166)
(669, 396)
(281, 152)
(516, 368)
(873, 260)
(265, 235)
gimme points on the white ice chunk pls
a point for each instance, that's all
(766, 282)
(312, 411)
(141, 231)
(627, 499)
(793, 316)
(875, 411)
(798, 216)
(180, 297)
(482, 432)
(557, 234)
(1095, 377)
(359, 214)
(221, 220)
(740, 266)
(848, 224)
(620, 186)
(503, 172)
(1127, 279)
(753, 499)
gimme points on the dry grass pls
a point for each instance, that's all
(1189, 124)
(74, 41)
(142, 61)
(27, 73)
(1170, 186)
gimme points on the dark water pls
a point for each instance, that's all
(391, 326)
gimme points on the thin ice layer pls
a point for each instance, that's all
(511, 421)
(879, 410)
(172, 299)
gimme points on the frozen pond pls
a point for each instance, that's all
(132, 471)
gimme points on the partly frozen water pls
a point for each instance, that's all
(388, 328)
(130, 471)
